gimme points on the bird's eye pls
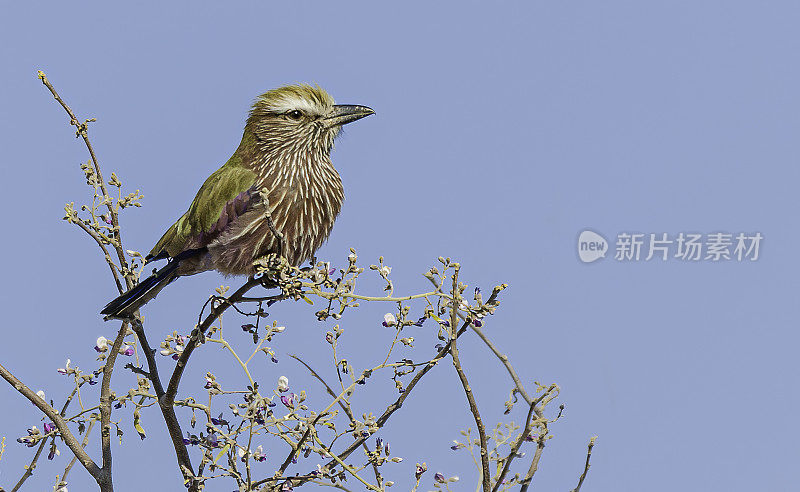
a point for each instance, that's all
(295, 114)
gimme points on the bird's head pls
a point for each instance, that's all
(300, 118)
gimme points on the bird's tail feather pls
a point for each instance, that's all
(126, 304)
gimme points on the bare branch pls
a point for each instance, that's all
(586, 467)
(82, 130)
(473, 405)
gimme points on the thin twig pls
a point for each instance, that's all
(216, 312)
(83, 444)
(345, 408)
(515, 448)
(83, 132)
(504, 359)
(586, 467)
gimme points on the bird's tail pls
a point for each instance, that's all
(126, 304)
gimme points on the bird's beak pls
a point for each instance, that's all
(343, 114)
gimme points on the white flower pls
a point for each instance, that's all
(283, 384)
(240, 452)
(65, 369)
(278, 329)
(385, 270)
(258, 454)
(102, 344)
(40, 394)
(389, 319)
(165, 351)
(352, 257)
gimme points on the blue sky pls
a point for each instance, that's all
(501, 133)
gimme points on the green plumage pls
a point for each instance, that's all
(225, 184)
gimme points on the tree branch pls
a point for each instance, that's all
(586, 467)
(69, 438)
(167, 410)
(473, 406)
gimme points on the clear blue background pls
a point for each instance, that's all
(501, 132)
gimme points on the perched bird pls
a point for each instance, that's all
(278, 193)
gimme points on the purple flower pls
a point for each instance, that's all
(378, 442)
(329, 338)
(331, 271)
(271, 404)
(420, 321)
(439, 478)
(438, 346)
(27, 440)
(477, 323)
(219, 420)
(64, 370)
(213, 441)
(420, 469)
(191, 439)
(48, 427)
(30, 439)
(176, 356)
(274, 359)
(91, 381)
(288, 400)
(126, 350)
(53, 451)
(248, 327)
(477, 290)
(446, 324)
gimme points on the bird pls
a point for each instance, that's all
(278, 193)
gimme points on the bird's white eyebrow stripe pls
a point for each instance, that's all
(290, 103)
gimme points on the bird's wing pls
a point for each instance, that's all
(225, 195)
